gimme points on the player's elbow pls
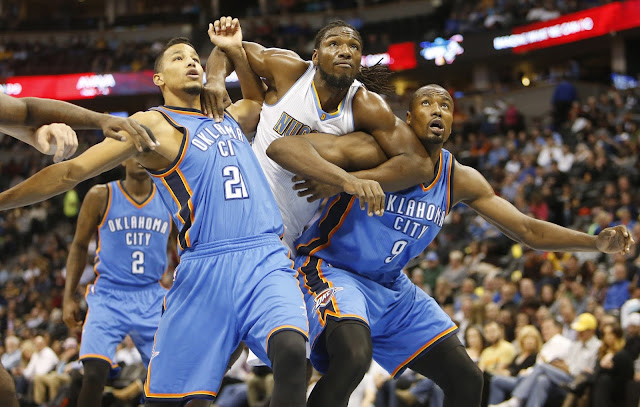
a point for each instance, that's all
(72, 175)
(278, 149)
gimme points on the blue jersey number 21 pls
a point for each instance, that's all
(234, 187)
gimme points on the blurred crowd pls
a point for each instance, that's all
(285, 26)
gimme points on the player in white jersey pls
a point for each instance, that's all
(31, 120)
(324, 96)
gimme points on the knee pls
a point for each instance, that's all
(471, 377)
(95, 372)
(542, 382)
(288, 348)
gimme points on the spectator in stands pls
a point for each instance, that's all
(555, 347)
(45, 387)
(12, 356)
(614, 369)
(474, 342)
(535, 388)
(618, 291)
(499, 353)
(455, 271)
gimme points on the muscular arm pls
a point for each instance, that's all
(35, 112)
(90, 213)
(326, 158)
(61, 177)
(471, 188)
(408, 163)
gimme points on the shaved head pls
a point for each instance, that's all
(431, 89)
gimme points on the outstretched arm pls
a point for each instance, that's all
(61, 177)
(90, 213)
(471, 188)
(35, 112)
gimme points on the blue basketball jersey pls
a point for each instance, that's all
(132, 239)
(379, 247)
(215, 189)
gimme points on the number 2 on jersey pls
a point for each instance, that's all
(234, 187)
(137, 265)
(397, 248)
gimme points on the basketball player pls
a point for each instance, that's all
(38, 122)
(234, 281)
(325, 95)
(359, 301)
(133, 227)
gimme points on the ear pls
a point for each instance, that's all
(314, 57)
(408, 120)
(157, 79)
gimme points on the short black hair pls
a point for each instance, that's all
(422, 89)
(320, 36)
(157, 66)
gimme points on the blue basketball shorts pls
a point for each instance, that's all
(115, 312)
(223, 293)
(404, 321)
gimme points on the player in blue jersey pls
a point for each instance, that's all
(234, 282)
(359, 301)
(133, 228)
(39, 123)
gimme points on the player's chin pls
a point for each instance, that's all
(193, 89)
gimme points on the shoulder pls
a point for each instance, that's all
(370, 110)
(149, 118)
(98, 194)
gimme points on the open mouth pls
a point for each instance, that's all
(437, 126)
(193, 73)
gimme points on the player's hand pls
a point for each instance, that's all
(314, 190)
(57, 139)
(71, 313)
(112, 125)
(225, 33)
(214, 100)
(616, 239)
(369, 192)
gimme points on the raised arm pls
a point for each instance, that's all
(90, 215)
(471, 188)
(408, 163)
(35, 112)
(281, 68)
(226, 34)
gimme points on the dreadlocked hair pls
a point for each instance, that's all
(376, 77)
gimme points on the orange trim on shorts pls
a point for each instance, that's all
(96, 356)
(179, 395)
(403, 364)
(435, 180)
(285, 327)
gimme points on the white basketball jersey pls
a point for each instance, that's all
(298, 112)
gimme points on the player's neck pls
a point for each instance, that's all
(138, 189)
(434, 152)
(329, 96)
(184, 100)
